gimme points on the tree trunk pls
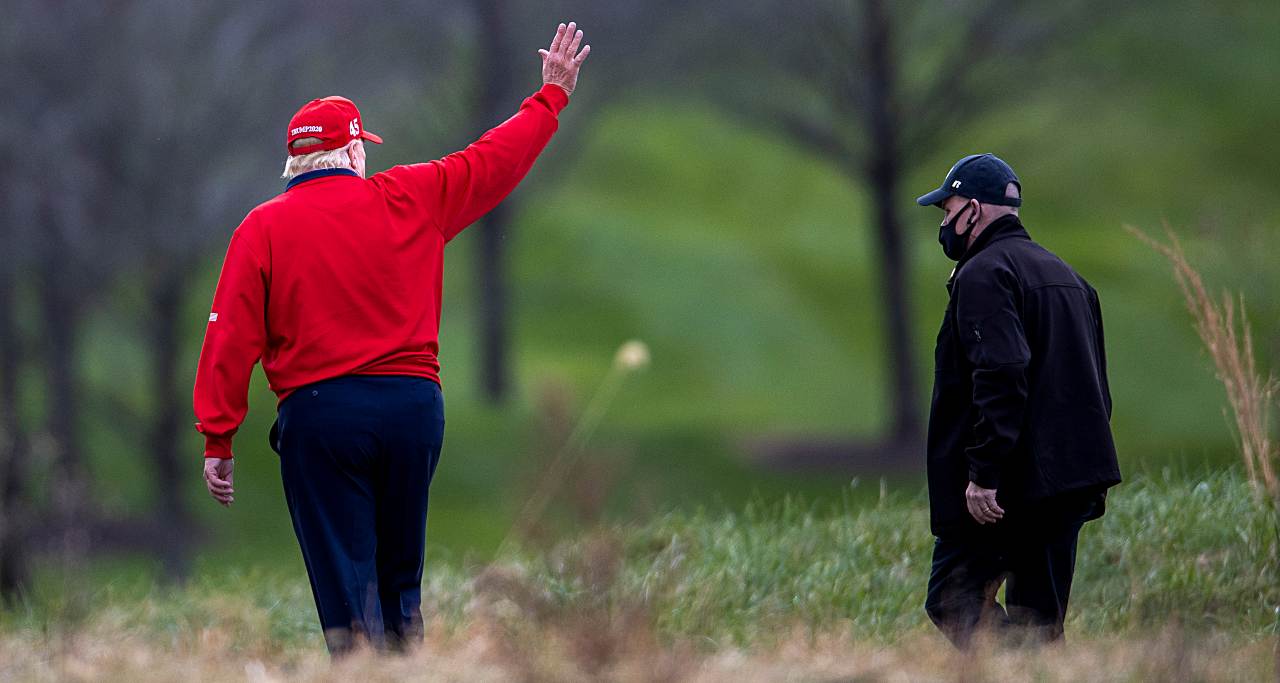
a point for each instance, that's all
(883, 175)
(493, 73)
(14, 570)
(170, 465)
(492, 305)
(68, 485)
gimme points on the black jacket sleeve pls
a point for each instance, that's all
(1102, 349)
(989, 323)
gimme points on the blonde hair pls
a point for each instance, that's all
(325, 158)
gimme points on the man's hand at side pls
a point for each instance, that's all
(982, 504)
(217, 476)
(561, 62)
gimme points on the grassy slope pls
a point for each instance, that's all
(1198, 561)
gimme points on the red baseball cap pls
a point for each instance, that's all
(335, 120)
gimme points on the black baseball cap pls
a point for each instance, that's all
(983, 177)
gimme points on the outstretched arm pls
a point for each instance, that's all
(463, 186)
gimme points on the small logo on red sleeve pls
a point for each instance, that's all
(213, 317)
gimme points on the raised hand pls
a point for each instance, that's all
(561, 62)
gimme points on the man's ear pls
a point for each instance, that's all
(963, 227)
(355, 155)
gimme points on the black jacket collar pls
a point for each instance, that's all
(1002, 228)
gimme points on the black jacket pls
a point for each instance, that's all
(1020, 398)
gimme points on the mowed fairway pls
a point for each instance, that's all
(1180, 581)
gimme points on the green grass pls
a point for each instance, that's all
(1201, 554)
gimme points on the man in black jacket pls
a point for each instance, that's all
(1020, 453)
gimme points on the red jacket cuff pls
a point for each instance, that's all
(217, 447)
(555, 97)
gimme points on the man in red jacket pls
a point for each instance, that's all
(335, 286)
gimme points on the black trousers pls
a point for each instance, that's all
(1032, 551)
(357, 455)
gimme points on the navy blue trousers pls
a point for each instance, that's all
(1032, 551)
(357, 455)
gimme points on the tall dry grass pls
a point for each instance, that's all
(488, 652)
(1223, 326)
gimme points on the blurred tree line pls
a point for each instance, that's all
(873, 87)
(141, 131)
(138, 156)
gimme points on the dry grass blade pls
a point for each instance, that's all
(629, 358)
(1223, 327)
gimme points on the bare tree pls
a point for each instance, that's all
(16, 255)
(183, 188)
(53, 64)
(495, 69)
(874, 87)
(15, 501)
(140, 108)
(507, 34)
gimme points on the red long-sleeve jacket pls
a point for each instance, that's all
(341, 275)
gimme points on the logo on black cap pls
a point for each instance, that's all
(984, 177)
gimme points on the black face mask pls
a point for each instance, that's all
(953, 244)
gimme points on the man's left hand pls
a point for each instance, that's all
(982, 504)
